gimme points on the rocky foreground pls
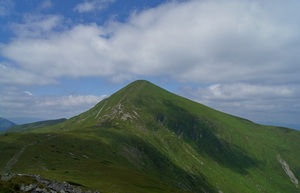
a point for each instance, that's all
(10, 183)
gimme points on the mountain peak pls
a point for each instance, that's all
(137, 90)
(131, 102)
(156, 140)
(137, 85)
(139, 82)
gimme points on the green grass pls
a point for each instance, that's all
(145, 139)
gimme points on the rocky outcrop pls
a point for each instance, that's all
(36, 184)
(287, 170)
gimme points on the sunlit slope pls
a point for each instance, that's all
(146, 139)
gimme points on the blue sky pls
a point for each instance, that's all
(59, 58)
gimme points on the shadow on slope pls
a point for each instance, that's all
(200, 131)
(104, 157)
(148, 159)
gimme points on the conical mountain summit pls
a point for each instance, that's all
(146, 139)
(146, 97)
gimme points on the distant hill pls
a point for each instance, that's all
(25, 120)
(144, 139)
(5, 124)
(35, 125)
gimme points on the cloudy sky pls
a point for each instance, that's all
(59, 58)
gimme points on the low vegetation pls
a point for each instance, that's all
(146, 139)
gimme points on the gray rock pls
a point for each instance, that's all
(27, 188)
(50, 186)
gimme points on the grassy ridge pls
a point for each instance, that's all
(145, 139)
(35, 125)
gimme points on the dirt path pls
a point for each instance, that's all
(10, 164)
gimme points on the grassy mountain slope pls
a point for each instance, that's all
(145, 139)
(5, 124)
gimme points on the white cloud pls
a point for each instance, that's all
(240, 91)
(69, 101)
(92, 5)
(36, 26)
(15, 76)
(46, 4)
(199, 41)
(16, 103)
(77, 52)
(28, 93)
(262, 103)
(84, 7)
